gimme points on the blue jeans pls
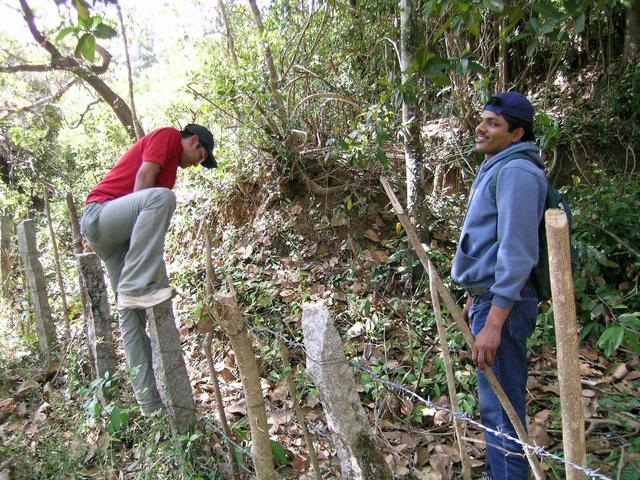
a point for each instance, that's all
(506, 459)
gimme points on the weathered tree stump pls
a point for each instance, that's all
(98, 318)
(37, 286)
(360, 458)
(168, 365)
(6, 240)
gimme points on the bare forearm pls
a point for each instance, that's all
(146, 176)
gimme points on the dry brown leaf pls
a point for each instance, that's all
(588, 393)
(236, 407)
(441, 417)
(406, 406)
(620, 371)
(633, 376)
(300, 463)
(287, 293)
(542, 416)
(278, 394)
(380, 256)
(427, 473)
(339, 221)
(296, 209)
(7, 407)
(538, 435)
(371, 235)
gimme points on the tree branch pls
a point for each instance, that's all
(69, 63)
(26, 68)
(50, 99)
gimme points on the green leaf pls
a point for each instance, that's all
(242, 434)
(494, 5)
(279, 453)
(66, 31)
(531, 48)
(547, 10)
(87, 47)
(93, 408)
(119, 418)
(104, 31)
(83, 11)
(578, 27)
(476, 67)
(382, 157)
(611, 339)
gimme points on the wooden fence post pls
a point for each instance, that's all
(564, 316)
(231, 320)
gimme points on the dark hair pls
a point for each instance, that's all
(526, 126)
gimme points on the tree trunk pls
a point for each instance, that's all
(632, 34)
(271, 66)
(136, 124)
(56, 258)
(414, 150)
(231, 46)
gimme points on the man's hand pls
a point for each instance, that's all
(487, 341)
(146, 176)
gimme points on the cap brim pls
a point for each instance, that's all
(209, 162)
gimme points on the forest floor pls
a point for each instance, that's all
(352, 256)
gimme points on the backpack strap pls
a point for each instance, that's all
(494, 178)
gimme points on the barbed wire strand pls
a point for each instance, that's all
(536, 450)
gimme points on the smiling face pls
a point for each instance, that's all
(493, 135)
(192, 152)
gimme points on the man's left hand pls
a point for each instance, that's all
(485, 347)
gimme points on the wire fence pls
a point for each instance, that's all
(535, 449)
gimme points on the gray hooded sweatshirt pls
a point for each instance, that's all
(498, 246)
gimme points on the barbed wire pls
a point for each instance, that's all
(535, 449)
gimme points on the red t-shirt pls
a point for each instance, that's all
(162, 146)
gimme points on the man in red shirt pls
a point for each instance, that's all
(125, 221)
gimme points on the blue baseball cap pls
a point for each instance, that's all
(514, 104)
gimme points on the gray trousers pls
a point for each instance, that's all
(128, 235)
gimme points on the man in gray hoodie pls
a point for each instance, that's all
(497, 251)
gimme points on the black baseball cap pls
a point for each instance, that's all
(514, 104)
(206, 140)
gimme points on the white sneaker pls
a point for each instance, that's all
(145, 301)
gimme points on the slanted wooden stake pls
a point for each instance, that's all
(56, 258)
(206, 346)
(564, 316)
(231, 320)
(456, 313)
(451, 382)
(291, 386)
